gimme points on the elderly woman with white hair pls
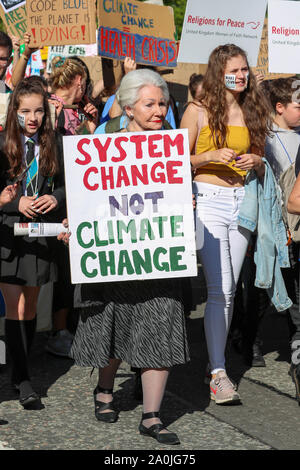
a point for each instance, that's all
(139, 322)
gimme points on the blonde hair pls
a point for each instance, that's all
(64, 72)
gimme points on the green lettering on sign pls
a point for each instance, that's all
(175, 257)
(83, 262)
(124, 263)
(79, 237)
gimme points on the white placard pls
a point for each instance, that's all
(84, 50)
(284, 36)
(129, 201)
(211, 24)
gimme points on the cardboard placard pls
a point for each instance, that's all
(95, 67)
(61, 22)
(129, 201)
(144, 32)
(14, 17)
(284, 36)
(208, 25)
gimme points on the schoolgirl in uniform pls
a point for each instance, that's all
(27, 263)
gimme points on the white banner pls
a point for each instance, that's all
(84, 50)
(129, 201)
(284, 36)
(208, 24)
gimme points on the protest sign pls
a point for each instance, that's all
(10, 5)
(211, 24)
(129, 202)
(144, 32)
(94, 65)
(263, 57)
(13, 14)
(81, 50)
(284, 36)
(61, 22)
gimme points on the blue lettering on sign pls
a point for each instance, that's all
(117, 44)
(142, 23)
(117, 6)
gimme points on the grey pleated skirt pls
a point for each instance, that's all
(139, 322)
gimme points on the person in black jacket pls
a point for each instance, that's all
(27, 263)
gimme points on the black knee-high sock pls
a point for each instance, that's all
(19, 336)
(30, 328)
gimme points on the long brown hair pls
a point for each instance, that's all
(13, 148)
(253, 104)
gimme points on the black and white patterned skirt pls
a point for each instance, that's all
(139, 322)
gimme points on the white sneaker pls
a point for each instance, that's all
(60, 343)
(222, 390)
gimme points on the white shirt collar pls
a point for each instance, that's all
(34, 137)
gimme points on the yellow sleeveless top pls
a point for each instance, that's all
(237, 139)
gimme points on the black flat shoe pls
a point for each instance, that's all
(294, 372)
(109, 417)
(28, 396)
(31, 399)
(258, 357)
(169, 438)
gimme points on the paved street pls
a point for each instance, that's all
(267, 419)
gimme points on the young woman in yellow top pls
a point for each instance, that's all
(228, 133)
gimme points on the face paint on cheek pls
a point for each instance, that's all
(21, 120)
(230, 81)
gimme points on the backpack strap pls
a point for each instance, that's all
(113, 125)
(167, 125)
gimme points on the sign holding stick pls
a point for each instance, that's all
(129, 200)
(144, 32)
(61, 22)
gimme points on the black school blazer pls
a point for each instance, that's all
(54, 186)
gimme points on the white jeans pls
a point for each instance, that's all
(221, 246)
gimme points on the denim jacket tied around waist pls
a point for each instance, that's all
(261, 211)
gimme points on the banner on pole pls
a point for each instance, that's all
(208, 25)
(129, 201)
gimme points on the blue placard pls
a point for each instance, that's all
(144, 49)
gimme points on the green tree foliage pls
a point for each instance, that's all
(179, 11)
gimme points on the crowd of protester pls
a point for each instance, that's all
(244, 136)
